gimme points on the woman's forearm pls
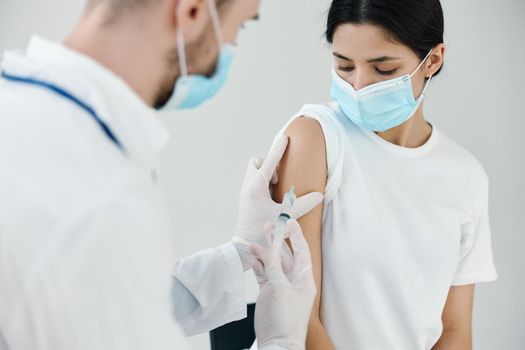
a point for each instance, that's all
(317, 338)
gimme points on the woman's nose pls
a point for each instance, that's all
(361, 80)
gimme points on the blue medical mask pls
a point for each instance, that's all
(379, 107)
(192, 90)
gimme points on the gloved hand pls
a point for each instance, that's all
(286, 293)
(256, 206)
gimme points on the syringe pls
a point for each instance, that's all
(286, 214)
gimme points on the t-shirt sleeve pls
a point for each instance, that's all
(476, 261)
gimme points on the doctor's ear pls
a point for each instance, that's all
(190, 16)
(435, 61)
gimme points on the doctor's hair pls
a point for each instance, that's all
(120, 6)
(419, 24)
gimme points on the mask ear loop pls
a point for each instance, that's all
(181, 46)
(181, 49)
(216, 22)
(421, 64)
(427, 83)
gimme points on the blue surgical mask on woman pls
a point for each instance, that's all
(192, 90)
(381, 106)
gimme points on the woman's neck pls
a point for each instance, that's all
(412, 134)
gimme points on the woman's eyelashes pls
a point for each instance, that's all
(386, 72)
(379, 71)
(345, 69)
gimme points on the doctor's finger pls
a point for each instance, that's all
(268, 236)
(258, 269)
(259, 252)
(269, 227)
(303, 205)
(299, 243)
(287, 258)
(274, 157)
(275, 177)
(251, 170)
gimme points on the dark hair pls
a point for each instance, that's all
(419, 24)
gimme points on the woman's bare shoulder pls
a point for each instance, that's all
(304, 163)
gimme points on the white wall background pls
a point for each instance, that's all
(283, 63)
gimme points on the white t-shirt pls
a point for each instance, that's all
(400, 227)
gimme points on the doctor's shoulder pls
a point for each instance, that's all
(29, 113)
(46, 144)
(36, 124)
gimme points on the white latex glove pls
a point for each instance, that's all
(286, 293)
(256, 206)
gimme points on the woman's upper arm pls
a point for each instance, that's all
(457, 313)
(304, 165)
(457, 319)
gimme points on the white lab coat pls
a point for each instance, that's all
(86, 256)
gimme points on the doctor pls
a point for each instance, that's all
(86, 256)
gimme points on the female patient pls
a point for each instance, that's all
(404, 232)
